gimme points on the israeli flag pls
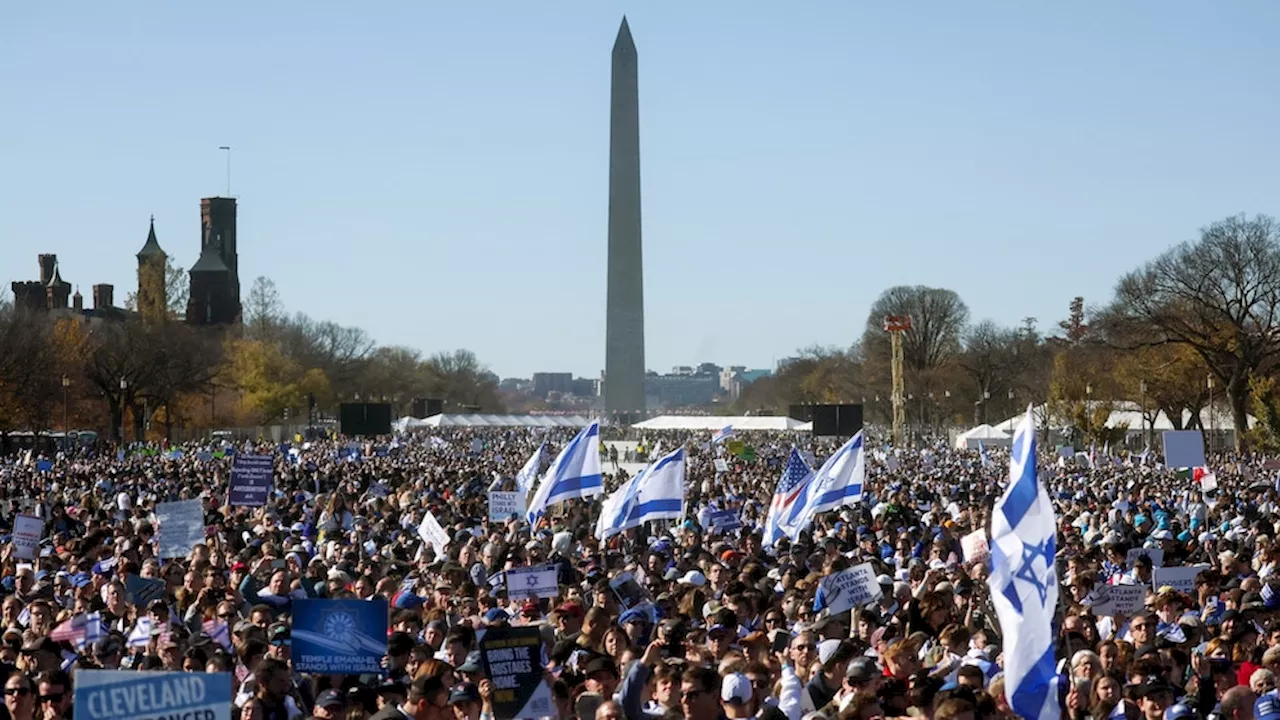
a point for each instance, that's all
(658, 493)
(525, 478)
(837, 483)
(1024, 582)
(613, 511)
(575, 473)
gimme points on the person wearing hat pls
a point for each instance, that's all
(737, 699)
(330, 705)
(601, 674)
(834, 655)
(427, 698)
(465, 700)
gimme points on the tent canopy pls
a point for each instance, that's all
(982, 435)
(743, 423)
(461, 420)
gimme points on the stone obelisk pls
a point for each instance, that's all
(624, 331)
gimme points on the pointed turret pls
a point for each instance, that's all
(152, 247)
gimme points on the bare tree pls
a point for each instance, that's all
(1220, 296)
(263, 310)
(992, 360)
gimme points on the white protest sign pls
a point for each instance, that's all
(181, 527)
(721, 465)
(432, 534)
(1156, 555)
(1182, 579)
(1127, 599)
(504, 504)
(27, 531)
(526, 582)
(853, 587)
(975, 547)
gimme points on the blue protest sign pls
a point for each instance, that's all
(44, 465)
(339, 637)
(251, 480)
(724, 520)
(141, 591)
(128, 695)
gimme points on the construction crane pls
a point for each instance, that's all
(896, 325)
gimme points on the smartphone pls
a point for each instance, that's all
(277, 564)
(781, 640)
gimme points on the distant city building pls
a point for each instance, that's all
(562, 385)
(734, 378)
(153, 302)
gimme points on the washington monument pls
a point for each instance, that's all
(624, 319)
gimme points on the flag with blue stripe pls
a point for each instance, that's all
(613, 511)
(659, 492)
(792, 490)
(527, 474)
(985, 456)
(1024, 582)
(837, 483)
(575, 473)
(722, 434)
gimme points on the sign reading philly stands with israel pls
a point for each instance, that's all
(131, 695)
(339, 637)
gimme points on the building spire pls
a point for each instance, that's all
(152, 247)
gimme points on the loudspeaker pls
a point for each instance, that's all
(826, 420)
(803, 413)
(435, 406)
(849, 420)
(420, 408)
(364, 419)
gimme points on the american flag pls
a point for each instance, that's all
(722, 434)
(217, 631)
(80, 630)
(796, 478)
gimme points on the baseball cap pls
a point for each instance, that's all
(464, 692)
(601, 663)
(1180, 711)
(471, 664)
(330, 698)
(827, 650)
(496, 615)
(863, 669)
(735, 689)
(694, 578)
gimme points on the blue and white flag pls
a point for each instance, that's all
(791, 491)
(986, 457)
(1024, 582)
(722, 434)
(656, 493)
(527, 474)
(575, 473)
(836, 484)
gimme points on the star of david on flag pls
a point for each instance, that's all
(1024, 582)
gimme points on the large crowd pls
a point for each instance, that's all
(717, 624)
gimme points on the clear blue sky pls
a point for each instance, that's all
(798, 158)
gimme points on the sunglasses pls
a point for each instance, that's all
(691, 695)
(20, 691)
(52, 697)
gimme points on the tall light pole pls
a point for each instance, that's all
(1146, 438)
(66, 406)
(227, 149)
(1211, 419)
(124, 387)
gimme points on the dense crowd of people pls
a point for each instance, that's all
(717, 625)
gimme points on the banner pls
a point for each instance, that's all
(512, 660)
(141, 591)
(1182, 579)
(432, 534)
(721, 465)
(339, 637)
(853, 587)
(724, 521)
(1183, 448)
(975, 546)
(27, 532)
(542, 581)
(181, 527)
(252, 478)
(1156, 555)
(1124, 600)
(132, 695)
(504, 504)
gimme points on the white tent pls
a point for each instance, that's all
(982, 435)
(532, 421)
(711, 423)
(1129, 415)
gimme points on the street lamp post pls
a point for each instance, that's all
(66, 405)
(1146, 438)
(124, 387)
(1212, 428)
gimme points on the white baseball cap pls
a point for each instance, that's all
(735, 689)
(693, 577)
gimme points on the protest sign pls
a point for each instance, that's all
(1183, 448)
(541, 581)
(975, 546)
(339, 637)
(503, 504)
(1156, 555)
(852, 587)
(432, 534)
(724, 521)
(132, 695)
(141, 591)
(27, 532)
(181, 527)
(721, 465)
(627, 589)
(1126, 599)
(512, 660)
(1182, 579)
(252, 478)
